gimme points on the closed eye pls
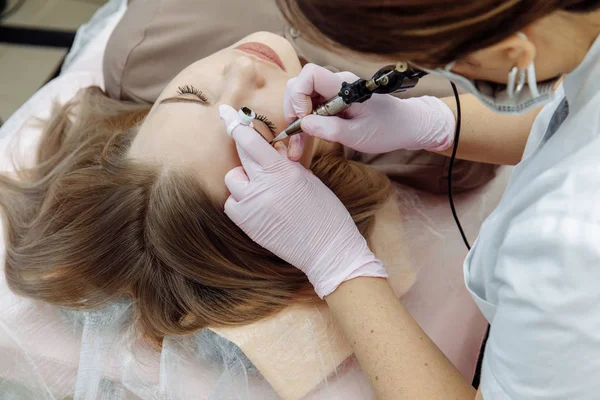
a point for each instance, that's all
(189, 89)
(267, 122)
(186, 90)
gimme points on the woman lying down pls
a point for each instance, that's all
(127, 201)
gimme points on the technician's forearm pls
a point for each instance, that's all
(399, 358)
(486, 136)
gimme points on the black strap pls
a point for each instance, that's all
(477, 376)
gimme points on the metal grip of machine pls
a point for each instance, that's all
(332, 107)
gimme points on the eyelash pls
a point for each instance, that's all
(267, 122)
(189, 89)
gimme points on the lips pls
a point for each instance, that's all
(263, 52)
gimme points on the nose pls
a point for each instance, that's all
(241, 77)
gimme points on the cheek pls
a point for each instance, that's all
(491, 67)
(307, 156)
(490, 73)
(216, 165)
(230, 156)
(229, 160)
(269, 102)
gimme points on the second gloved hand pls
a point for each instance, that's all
(381, 124)
(289, 211)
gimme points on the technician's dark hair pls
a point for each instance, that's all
(427, 32)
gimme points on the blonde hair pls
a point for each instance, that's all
(87, 225)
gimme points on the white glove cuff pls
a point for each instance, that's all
(443, 126)
(366, 267)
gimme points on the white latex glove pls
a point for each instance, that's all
(381, 124)
(289, 211)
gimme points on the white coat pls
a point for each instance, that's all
(534, 270)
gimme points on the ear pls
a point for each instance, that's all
(518, 49)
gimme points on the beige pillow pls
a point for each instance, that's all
(158, 38)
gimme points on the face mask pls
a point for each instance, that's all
(521, 93)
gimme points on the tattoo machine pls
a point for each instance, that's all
(389, 79)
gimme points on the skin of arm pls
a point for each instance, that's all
(486, 136)
(392, 349)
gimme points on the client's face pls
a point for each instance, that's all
(184, 130)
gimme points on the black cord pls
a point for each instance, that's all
(477, 374)
(10, 11)
(451, 166)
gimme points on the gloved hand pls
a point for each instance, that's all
(381, 124)
(289, 211)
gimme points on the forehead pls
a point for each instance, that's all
(188, 137)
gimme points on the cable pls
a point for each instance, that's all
(10, 11)
(477, 373)
(451, 166)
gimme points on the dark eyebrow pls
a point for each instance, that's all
(182, 100)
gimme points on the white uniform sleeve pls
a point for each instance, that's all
(544, 340)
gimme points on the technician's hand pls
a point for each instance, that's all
(284, 208)
(381, 124)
